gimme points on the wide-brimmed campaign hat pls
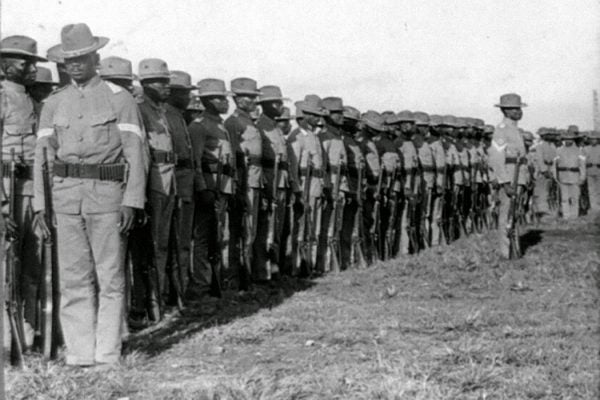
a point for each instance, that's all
(21, 47)
(351, 113)
(212, 87)
(195, 103)
(286, 115)
(181, 80)
(313, 104)
(44, 75)
(405, 116)
(77, 40)
(449, 120)
(245, 86)
(270, 93)
(374, 120)
(333, 104)
(116, 67)
(153, 68)
(510, 100)
(568, 135)
(435, 120)
(421, 118)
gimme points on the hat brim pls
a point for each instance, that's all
(176, 86)
(128, 77)
(22, 54)
(246, 93)
(99, 42)
(313, 111)
(265, 99)
(375, 126)
(510, 105)
(208, 94)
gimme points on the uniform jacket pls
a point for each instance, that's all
(182, 146)
(427, 161)
(507, 143)
(335, 152)
(97, 123)
(242, 130)
(546, 152)
(305, 144)
(274, 143)
(208, 134)
(355, 158)
(19, 126)
(408, 153)
(162, 174)
(371, 156)
(594, 160)
(569, 165)
(439, 156)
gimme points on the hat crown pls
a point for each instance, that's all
(435, 120)
(333, 103)
(180, 79)
(573, 129)
(75, 37)
(312, 104)
(244, 86)
(285, 114)
(270, 92)
(211, 87)
(153, 68)
(19, 43)
(351, 113)
(449, 120)
(421, 118)
(54, 54)
(374, 120)
(510, 100)
(43, 75)
(405, 116)
(116, 67)
(195, 103)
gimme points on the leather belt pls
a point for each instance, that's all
(317, 173)
(211, 168)
(184, 163)
(269, 163)
(103, 172)
(255, 161)
(430, 168)
(513, 160)
(22, 171)
(163, 157)
(569, 169)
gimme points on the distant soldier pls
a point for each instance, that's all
(570, 172)
(507, 153)
(118, 71)
(162, 187)
(194, 109)
(427, 167)
(53, 54)
(181, 238)
(41, 88)
(276, 170)
(245, 205)
(454, 178)
(19, 122)
(441, 179)
(335, 154)
(593, 172)
(284, 121)
(91, 132)
(213, 154)
(309, 155)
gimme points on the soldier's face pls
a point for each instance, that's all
(179, 98)
(83, 68)
(568, 142)
(272, 109)
(285, 126)
(157, 89)
(423, 130)
(312, 120)
(218, 104)
(350, 125)
(246, 102)
(513, 113)
(406, 127)
(336, 118)
(20, 70)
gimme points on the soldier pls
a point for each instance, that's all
(194, 109)
(335, 154)
(179, 98)
(214, 162)
(41, 88)
(593, 172)
(570, 172)
(506, 154)
(18, 121)
(155, 78)
(275, 161)
(451, 212)
(463, 168)
(427, 167)
(352, 185)
(283, 122)
(118, 71)
(545, 152)
(90, 129)
(441, 179)
(244, 208)
(53, 54)
(309, 155)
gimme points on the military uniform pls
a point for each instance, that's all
(569, 169)
(506, 154)
(593, 172)
(209, 139)
(90, 131)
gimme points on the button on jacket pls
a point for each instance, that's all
(507, 142)
(97, 123)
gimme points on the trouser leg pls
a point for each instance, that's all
(347, 229)
(436, 221)
(184, 225)
(326, 219)
(594, 191)
(161, 217)
(503, 238)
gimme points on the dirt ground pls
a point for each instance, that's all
(450, 323)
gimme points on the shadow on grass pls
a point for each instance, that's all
(530, 239)
(182, 325)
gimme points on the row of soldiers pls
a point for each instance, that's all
(158, 201)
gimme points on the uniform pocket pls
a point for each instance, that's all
(103, 125)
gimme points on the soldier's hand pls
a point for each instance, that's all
(127, 219)
(141, 217)
(40, 220)
(508, 189)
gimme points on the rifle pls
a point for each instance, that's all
(357, 255)
(304, 254)
(511, 227)
(374, 240)
(247, 238)
(390, 232)
(412, 211)
(442, 205)
(332, 254)
(50, 289)
(217, 264)
(274, 205)
(13, 305)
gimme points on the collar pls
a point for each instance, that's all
(509, 122)
(242, 113)
(13, 86)
(173, 108)
(89, 84)
(212, 117)
(152, 103)
(266, 122)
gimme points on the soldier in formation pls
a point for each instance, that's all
(160, 201)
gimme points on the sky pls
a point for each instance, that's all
(438, 56)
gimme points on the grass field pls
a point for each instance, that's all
(450, 323)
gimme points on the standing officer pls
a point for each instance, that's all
(570, 173)
(506, 154)
(181, 237)
(308, 152)
(92, 134)
(275, 162)
(213, 152)
(155, 78)
(18, 121)
(245, 205)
